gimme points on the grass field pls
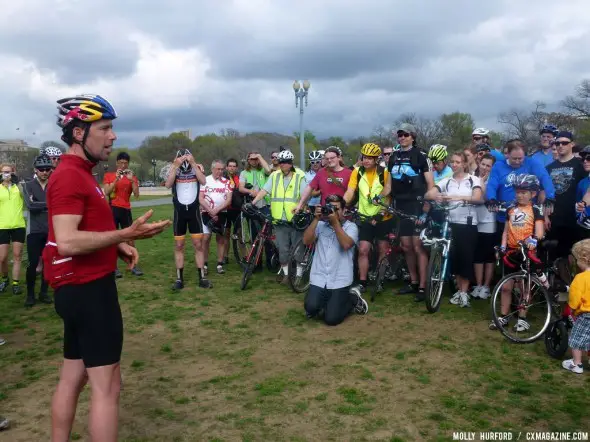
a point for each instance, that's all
(231, 365)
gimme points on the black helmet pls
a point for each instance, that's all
(185, 167)
(302, 220)
(216, 227)
(526, 182)
(42, 161)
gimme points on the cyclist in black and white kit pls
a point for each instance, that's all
(185, 179)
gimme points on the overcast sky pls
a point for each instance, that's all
(208, 65)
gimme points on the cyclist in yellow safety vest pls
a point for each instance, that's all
(370, 180)
(285, 187)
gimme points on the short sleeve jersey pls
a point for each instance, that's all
(72, 190)
(186, 188)
(216, 192)
(520, 223)
(121, 195)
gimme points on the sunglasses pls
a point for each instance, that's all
(273, 157)
(387, 153)
(44, 169)
(285, 162)
(315, 162)
(585, 158)
(562, 143)
(403, 135)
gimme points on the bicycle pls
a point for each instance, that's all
(439, 255)
(390, 265)
(242, 233)
(527, 293)
(265, 236)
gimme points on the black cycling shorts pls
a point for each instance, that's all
(93, 325)
(122, 217)
(13, 235)
(408, 227)
(369, 232)
(187, 218)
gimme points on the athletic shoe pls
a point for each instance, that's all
(2, 341)
(360, 305)
(464, 298)
(178, 285)
(456, 299)
(136, 271)
(569, 365)
(3, 286)
(220, 270)
(16, 290)
(420, 296)
(484, 292)
(521, 325)
(503, 320)
(4, 423)
(205, 270)
(475, 293)
(408, 289)
(30, 301)
(205, 284)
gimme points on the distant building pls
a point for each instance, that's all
(14, 146)
(186, 133)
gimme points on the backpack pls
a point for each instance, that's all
(408, 183)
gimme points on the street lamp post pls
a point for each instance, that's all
(301, 91)
(154, 165)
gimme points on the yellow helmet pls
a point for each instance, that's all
(371, 150)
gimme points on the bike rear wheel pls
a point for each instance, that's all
(301, 258)
(534, 301)
(382, 269)
(242, 239)
(556, 339)
(251, 262)
(272, 264)
(436, 280)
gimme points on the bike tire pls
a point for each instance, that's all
(496, 302)
(251, 264)
(300, 253)
(434, 285)
(242, 240)
(272, 264)
(556, 339)
(382, 268)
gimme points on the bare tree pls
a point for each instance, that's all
(429, 130)
(522, 124)
(578, 105)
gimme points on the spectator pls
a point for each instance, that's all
(119, 186)
(332, 270)
(544, 154)
(315, 163)
(12, 228)
(233, 212)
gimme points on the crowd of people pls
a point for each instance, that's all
(78, 229)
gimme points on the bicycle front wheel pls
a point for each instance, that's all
(383, 269)
(436, 280)
(251, 262)
(300, 267)
(556, 339)
(242, 239)
(529, 304)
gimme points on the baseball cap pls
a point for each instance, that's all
(407, 128)
(565, 134)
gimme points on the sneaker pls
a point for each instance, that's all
(205, 284)
(118, 273)
(16, 290)
(30, 301)
(569, 365)
(4, 423)
(220, 270)
(521, 325)
(420, 296)
(503, 320)
(279, 277)
(45, 298)
(464, 300)
(456, 299)
(205, 269)
(408, 289)
(2, 341)
(475, 293)
(178, 285)
(136, 271)
(360, 305)
(3, 286)
(484, 292)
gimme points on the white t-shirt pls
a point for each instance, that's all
(486, 220)
(462, 188)
(216, 192)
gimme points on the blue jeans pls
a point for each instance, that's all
(336, 303)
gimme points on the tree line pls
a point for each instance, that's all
(453, 129)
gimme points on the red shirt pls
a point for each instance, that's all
(121, 194)
(333, 183)
(73, 190)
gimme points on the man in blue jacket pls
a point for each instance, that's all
(503, 173)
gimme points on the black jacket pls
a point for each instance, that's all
(34, 196)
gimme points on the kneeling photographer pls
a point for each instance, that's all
(332, 270)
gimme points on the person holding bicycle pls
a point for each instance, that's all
(332, 270)
(524, 223)
(372, 183)
(285, 187)
(465, 187)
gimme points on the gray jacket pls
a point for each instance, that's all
(34, 196)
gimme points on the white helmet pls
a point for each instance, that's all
(52, 151)
(482, 131)
(315, 155)
(286, 155)
(322, 152)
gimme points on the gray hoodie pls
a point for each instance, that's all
(34, 196)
